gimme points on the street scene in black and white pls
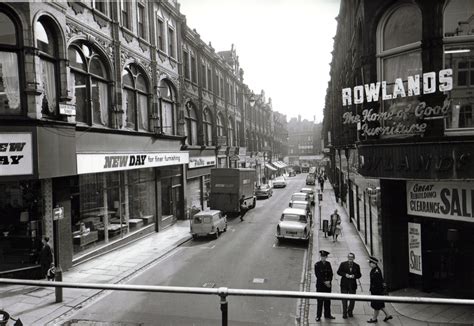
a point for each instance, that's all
(237, 162)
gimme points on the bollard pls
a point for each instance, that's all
(59, 290)
(223, 291)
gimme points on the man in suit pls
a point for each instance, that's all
(323, 271)
(350, 273)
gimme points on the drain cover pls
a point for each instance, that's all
(209, 285)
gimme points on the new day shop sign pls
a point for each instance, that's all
(447, 200)
(93, 163)
(16, 154)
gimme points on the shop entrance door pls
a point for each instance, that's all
(176, 201)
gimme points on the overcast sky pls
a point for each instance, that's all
(284, 46)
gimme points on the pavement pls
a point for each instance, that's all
(36, 305)
(349, 241)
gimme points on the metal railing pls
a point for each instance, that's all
(224, 292)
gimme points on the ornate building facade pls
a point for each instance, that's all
(112, 115)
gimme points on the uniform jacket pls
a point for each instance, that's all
(323, 273)
(376, 281)
(349, 283)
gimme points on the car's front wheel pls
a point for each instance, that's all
(216, 235)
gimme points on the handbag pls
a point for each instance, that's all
(329, 233)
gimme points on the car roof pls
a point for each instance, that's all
(307, 188)
(294, 211)
(208, 213)
(300, 202)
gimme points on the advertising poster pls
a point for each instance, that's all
(414, 248)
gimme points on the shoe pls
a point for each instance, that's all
(318, 318)
(350, 314)
(330, 317)
(344, 316)
(372, 321)
(388, 318)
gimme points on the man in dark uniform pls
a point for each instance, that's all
(323, 271)
(349, 272)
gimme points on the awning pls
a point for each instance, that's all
(269, 166)
(283, 164)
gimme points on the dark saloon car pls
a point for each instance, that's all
(263, 191)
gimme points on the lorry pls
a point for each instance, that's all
(228, 185)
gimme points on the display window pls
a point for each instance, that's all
(108, 206)
(20, 224)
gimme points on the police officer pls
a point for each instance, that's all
(323, 271)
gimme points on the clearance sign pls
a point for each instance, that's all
(447, 200)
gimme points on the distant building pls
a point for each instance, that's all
(304, 142)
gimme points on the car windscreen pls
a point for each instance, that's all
(293, 218)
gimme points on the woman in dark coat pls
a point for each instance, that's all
(377, 287)
(46, 257)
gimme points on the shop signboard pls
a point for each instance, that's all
(58, 213)
(105, 162)
(446, 200)
(203, 161)
(16, 154)
(414, 248)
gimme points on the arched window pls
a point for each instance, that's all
(231, 131)
(220, 125)
(88, 85)
(46, 42)
(207, 126)
(135, 99)
(10, 102)
(459, 56)
(191, 124)
(399, 53)
(168, 108)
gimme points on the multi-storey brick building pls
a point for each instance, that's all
(304, 142)
(112, 114)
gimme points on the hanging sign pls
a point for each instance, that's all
(414, 248)
(58, 213)
(16, 154)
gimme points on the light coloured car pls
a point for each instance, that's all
(279, 182)
(263, 191)
(310, 192)
(206, 223)
(299, 196)
(294, 224)
(303, 205)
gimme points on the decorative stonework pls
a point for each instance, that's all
(47, 194)
(76, 7)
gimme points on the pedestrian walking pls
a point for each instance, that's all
(321, 182)
(350, 273)
(323, 271)
(46, 257)
(377, 287)
(243, 208)
(335, 227)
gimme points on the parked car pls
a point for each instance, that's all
(279, 182)
(263, 191)
(310, 180)
(303, 205)
(310, 192)
(211, 222)
(299, 196)
(294, 224)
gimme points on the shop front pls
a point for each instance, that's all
(121, 196)
(427, 221)
(198, 179)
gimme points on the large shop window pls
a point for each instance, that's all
(108, 206)
(399, 52)
(48, 50)
(20, 224)
(135, 99)
(459, 56)
(9, 69)
(191, 124)
(168, 108)
(171, 194)
(207, 124)
(88, 85)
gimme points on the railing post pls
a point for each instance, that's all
(224, 305)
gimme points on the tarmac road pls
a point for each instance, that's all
(247, 256)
